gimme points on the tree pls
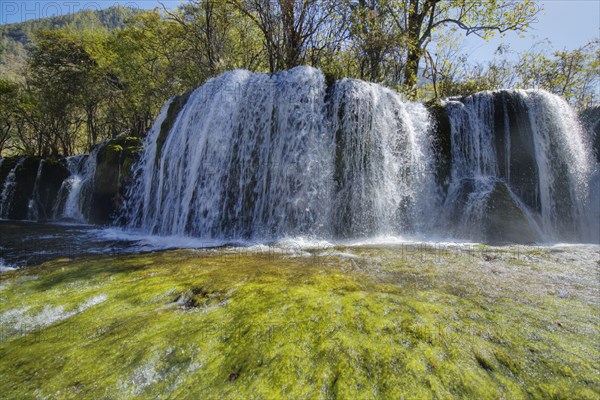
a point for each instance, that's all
(142, 67)
(59, 69)
(449, 72)
(8, 99)
(215, 37)
(375, 38)
(420, 19)
(575, 74)
(288, 27)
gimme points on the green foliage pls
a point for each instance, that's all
(97, 74)
(216, 37)
(14, 38)
(420, 20)
(64, 85)
(574, 74)
(82, 86)
(293, 32)
(60, 78)
(8, 98)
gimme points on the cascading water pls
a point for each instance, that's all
(383, 182)
(32, 207)
(8, 190)
(259, 156)
(75, 184)
(270, 156)
(564, 163)
(523, 148)
(246, 157)
(79, 186)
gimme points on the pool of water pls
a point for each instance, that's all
(30, 243)
(25, 244)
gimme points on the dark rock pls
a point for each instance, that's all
(515, 147)
(442, 143)
(233, 376)
(176, 105)
(7, 165)
(26, 200)
(113, 174)
(25, 175)
(590, 119)
(504, 221)
(54, 172)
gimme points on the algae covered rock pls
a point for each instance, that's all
(375, 321)
(177, 103)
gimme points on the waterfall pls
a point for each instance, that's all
(80, 185)
(266, 156)
(383, 181)
(8, 190)
(242, 159)
(263, 157)
(75, 185)
(33, 205)
(524, 148)
(68, 194)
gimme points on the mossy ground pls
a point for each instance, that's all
(350, 322)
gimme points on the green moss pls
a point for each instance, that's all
(387, 322)
(115, 148)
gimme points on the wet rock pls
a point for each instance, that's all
(25, 176)
(590, 119)
(515, 147)
(442, 142)
(114, 164)
(177, 104)
(28, 199)
(504, 221)
(54, 172)
(6, 166)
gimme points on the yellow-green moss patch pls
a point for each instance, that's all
(354, 322)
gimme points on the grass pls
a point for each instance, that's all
(351, 322)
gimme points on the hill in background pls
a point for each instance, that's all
(14, 38)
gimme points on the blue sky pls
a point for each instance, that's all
(566, 23)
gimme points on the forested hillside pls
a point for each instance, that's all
(14, 38)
